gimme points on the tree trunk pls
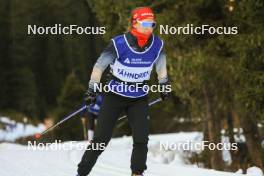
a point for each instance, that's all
(253, 140)
(213, 124)
(206, 138)
(230, 125)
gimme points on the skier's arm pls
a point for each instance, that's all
(161, 68)
(163, 76)
(105, 59)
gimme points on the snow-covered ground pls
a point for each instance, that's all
(14, 130)
(18, 160)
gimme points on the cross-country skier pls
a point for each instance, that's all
(93, 111)
(132, 56)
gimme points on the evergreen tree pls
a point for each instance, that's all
(70, 99)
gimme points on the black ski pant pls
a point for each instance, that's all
(137, 112)
(91, 120)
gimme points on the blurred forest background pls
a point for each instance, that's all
(217, 80)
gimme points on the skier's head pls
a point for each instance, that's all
(143, 20)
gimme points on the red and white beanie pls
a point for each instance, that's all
(141, 13)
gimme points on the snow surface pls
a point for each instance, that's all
(18, 160)
(254, 171)
(14, 130)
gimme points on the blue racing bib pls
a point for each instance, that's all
(132, 66)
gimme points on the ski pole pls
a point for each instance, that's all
(150, 104)
(63, 120)
(80, 110)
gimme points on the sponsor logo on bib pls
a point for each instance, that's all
(127, 74)
(137, 61)
(127, 61)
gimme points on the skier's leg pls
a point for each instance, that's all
(139, 123)
(110, 110)
(91, 121)
(91, 124)
(90, 134)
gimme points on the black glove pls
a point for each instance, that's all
(90, 94)
(165, 90)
